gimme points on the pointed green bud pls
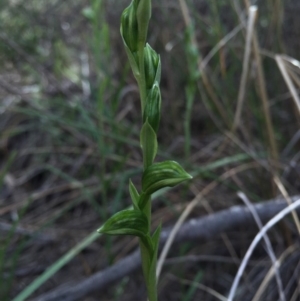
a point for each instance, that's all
(152, 107)
(129, 27)
(134, 194)
(143, 16)
(163, 174)
(155, 242)
(152, 66)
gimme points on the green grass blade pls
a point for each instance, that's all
(192, 290)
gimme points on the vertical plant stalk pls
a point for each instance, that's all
(146, 67)
(264, 98)
(264, 95)
(242, 89)
(206, 82)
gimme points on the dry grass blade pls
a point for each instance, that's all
(296, 293)
(220, 44)
(264, 97)
(285, 194)
(270, 250)
(242, 89)
(200, 286)
(291, 144)
(271, 273)
(283, 69)
(254, 243)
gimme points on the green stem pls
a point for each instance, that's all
(149, 274)
(152, 287)
(142, 80)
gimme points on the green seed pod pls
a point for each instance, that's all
(129, 27)
(152, 107)
(152, 66)
(163, 174)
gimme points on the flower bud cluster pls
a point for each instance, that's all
(134, 27)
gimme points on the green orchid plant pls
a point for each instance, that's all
(146, 67)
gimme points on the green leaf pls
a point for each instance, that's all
(163, 174)
(148, 142)
(134, 195)
(155, 240)
(126, 222)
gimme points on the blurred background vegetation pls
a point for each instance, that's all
(69, 137)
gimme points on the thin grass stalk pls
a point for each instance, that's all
(269, 247)
(206, 83)
(190, 96)
(219, 45)
(218, 26)
(200, 286)
(99, 34)
(264, 97)
(278, 217)
(271, 272)
(191, 86)
(288, 80)
(296, 293)
(243, 82)
(278, 20)
(295, 77)
(288, 199)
